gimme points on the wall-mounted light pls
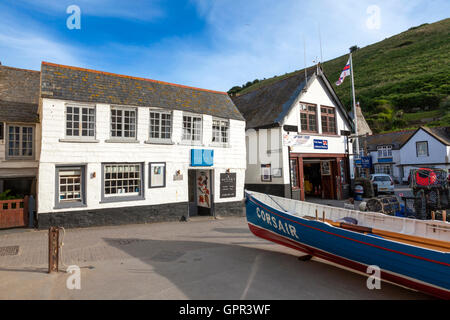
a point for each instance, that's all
(93, 175)
(178, 173)
(228, 171)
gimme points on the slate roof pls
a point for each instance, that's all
(84, 85)
(268, 105)
(442, 134)
(396, 139)
(18, 112)
(19, 94)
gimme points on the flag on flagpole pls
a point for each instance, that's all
(345, 72)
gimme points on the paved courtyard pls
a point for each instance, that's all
(199, 259)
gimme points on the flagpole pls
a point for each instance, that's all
(355, 120)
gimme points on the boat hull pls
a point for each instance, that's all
(414, 267)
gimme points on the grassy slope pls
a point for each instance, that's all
(406, 74)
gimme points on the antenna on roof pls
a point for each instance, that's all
(320, 42)
(304, 56)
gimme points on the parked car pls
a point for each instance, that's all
(383, 182)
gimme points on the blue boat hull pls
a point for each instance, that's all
(414, 267)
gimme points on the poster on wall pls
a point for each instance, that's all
(227, 185)
(203, 189)
(157, 175)
(266, 173)
(326, 171)
(292, 139)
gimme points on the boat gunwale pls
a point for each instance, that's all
(362, 234)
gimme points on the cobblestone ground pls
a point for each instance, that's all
(200, 259)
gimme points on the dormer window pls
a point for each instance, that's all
(384, 151)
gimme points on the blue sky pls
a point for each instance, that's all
(213, 44)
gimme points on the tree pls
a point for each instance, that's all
(354, 48)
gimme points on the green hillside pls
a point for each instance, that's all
(401, 82)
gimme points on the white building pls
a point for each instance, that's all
(118, 149)
(384, 151)
(426, 148)
(297, 137)
(19, 131)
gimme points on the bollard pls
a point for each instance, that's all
(53, 249)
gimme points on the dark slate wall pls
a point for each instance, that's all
(114, 216)
(228, 209)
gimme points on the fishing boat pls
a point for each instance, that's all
(409, 252)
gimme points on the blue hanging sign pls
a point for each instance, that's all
(202, 158)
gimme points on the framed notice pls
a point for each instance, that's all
(276, 172)
(157, 174)
(326, 171)
(227, 185)
(266, 173)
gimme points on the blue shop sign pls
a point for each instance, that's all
(321, 144)
(385, 160)
(202, 158)
(364, 162)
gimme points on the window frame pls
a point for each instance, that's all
(121, 198)
(417, 149)
(379, 168)
(7, 140)
(384, 149)
(122, 137)
(328, 116)
(221, 121)
(160, 113)
(80, 125)
(70, 204)
(307, 112)
(192, 116)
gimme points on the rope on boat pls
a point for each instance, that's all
(277, 203)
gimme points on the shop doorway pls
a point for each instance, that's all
(319, 178)
(313, 179)
(201, 197)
